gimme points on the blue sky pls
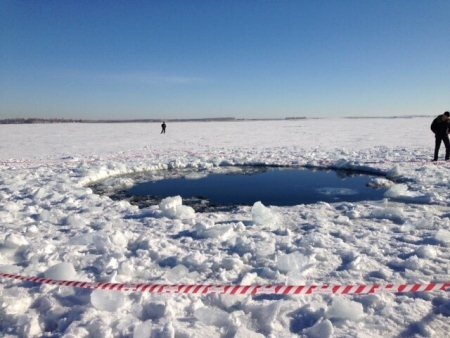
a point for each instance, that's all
(248, 59)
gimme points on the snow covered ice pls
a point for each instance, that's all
(52, 225)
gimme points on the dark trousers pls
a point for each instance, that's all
(440, 138)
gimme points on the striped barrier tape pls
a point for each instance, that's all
(295, 290)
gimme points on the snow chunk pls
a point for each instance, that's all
(243, 332)
(413, 263)
(343, 308)
(396, 215)
(180, 273)
(443, 236)
(293, 262)
(76, 221)
(266, 316)
(107, 300)
(401, 192)
(13, 241)
(212, 316)
(118, 238)
(168, 206)
(143, 330)
(249, 278)
(397, 190)
(380, 182)
(10, 206)
(195, 260)
(177, 273)
(232, 263)
(9, 301)
(322, 329)
(172, 207)
(28, 325)
(426, 251)
(265, 247)
(261, 215)
(209, 230)
(184, 212)
(61, 271)
(394, 172)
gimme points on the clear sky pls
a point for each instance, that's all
(249, 59)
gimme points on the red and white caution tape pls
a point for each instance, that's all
(294, 290)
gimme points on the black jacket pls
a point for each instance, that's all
(440, 127)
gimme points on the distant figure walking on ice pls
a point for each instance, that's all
(440, 128)
(163, 127)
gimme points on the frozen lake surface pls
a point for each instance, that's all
(53, 225)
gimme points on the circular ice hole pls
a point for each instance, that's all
(225, 188)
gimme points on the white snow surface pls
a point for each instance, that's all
(52, 225)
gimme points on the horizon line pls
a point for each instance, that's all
(36, 120)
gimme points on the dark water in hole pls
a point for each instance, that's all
(273, 186)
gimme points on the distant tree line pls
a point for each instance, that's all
(36, 120)
(59, 120)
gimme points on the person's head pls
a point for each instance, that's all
(446, 116)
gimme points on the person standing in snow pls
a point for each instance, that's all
(163, 127)
(440, 128)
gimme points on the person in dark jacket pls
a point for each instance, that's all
(440, 128)
(163, 127)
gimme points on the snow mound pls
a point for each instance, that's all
(343, 308)
(173, 207)
(61, 271)
(263, 216)
(107, 301)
